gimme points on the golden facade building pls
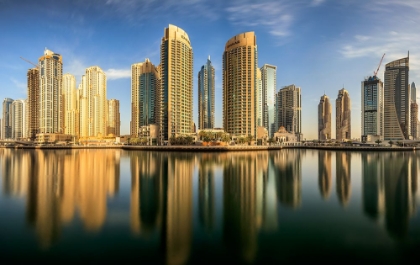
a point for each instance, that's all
(324, 118)
(239, 85)
(93, 103)
(144, 85)
(19, 122)
(113, 120)
(343, 116)
(397, 100)
(71, 113)
(176, 95)
(50, 83)
(33, 102)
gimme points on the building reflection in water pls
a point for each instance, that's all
(324, 173)
(287, 167)
(343, 175)
(60, 182)
(206, 191)
(389, 189)
(161, 201)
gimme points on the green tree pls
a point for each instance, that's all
(391, 143)
(378, 142)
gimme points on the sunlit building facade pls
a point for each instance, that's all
(397, 100)
(51, 118)
(414, 112)
(343, 115)
(71, 113)
(144, 86)
(113, 120)
(289, 109)
(19, 121)
(33, 102)
(93, 117)
(269, 84)
(206, 96)
(176, 95)
(372, 107)
(324, 118)
(240, 62)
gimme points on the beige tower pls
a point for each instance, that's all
(50, 112)
(113, 125)
(93, 103)
(19, 122)
(33, 103)
(71, 113)
(324, 118)
(176, 92)
(342, 115)
(239, 85)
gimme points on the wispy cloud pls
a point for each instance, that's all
(112, 74)
(19, 85)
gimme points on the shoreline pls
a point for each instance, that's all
(192, 148)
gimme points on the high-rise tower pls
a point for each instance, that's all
(6, 126)
(289, 109)
(343, 115)
(206, 96)
(414, 112)
(50, 112)
(114, 124)
(33, 103)
(144, 85)
(93, 103)
(19, 122)
(397, 100)
(240, 62)
(372, 107)
(176, 95)
(324, 118)
(268, 76)
(71, 114)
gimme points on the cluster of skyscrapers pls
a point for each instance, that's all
(162, 96)
(389, 110)
(55, 106)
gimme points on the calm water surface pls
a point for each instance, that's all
(238, 207)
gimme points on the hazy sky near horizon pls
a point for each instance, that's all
(320, 46)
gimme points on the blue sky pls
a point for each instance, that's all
(318, 45)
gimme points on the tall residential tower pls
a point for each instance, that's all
(289, 109)
(343, 115)
(33, 102)
(372, 107)
(206, 96)
(268, 77)
(324, 118)
(414, 112)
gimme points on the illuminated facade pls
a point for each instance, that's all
(324, 118)
(206, 96)
(397, 100)
(289, 109)
(372, 107)
(51, 118)
(19, 119)
(71, 113)
(93, 103)
(269, 85)
(144, 86)
(114, 123)
(240, 62)
(33, 102)
(176, 92)
(343, 116)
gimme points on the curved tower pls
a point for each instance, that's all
(397, 100)
(239, 84)
(324, 118)
(343, 115)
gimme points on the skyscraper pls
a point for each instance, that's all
(259, 111)
(324, 118)
(51, 112)
(206, 96)
(6, 130)
(93, 103)
(397, 100)
(372, 107)
(144, 85)
(33, 102)
(240, 62)
(268, 76)
(114, 124)
(176, 95)
(71, 113)
(343, 115)
(19, 122)
(414, 112)
(289, 109)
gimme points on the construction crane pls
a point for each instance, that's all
(28, 61)
(376, 72)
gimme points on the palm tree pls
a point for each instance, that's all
(378, 142)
